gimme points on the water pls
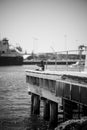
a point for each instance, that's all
(15, 103)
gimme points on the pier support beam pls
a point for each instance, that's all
(53, 114)
(32, 102)
(35, 104)
(84, 110)
(68, 109)
(46, 110)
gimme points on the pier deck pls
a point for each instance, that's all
(46, 83)
(65, 87)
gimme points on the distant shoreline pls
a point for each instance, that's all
(60, 62)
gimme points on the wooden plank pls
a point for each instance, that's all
(59, 89)
(67, 91)
(83, 96)
(75, 93)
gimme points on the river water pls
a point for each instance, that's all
(15, 103)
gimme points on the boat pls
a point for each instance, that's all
(9, 55)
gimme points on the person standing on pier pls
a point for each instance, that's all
(41, 65)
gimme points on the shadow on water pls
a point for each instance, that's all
(31, 123)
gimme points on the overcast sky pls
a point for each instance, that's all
(41, 25)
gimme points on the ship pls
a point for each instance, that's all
(8, 55)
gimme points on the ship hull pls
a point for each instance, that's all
(7, 60)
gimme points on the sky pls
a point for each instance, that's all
(44, 25)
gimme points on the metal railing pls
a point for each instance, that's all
(72, 59)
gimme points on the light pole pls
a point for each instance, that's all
(34, 45)
(66, 50)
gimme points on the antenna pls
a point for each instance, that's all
(66, 50)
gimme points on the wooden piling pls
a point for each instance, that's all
(46, 110)
(53, 114)
(35, 104)
(84, 110)
(67, 106)
(32, 102)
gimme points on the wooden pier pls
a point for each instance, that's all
(64, 89)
